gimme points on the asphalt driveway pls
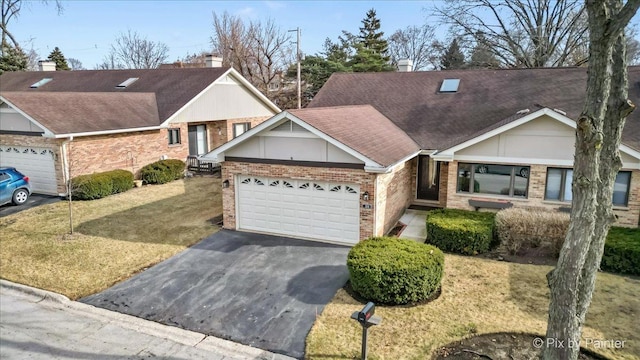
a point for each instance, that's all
(33, 201)
(258, 290)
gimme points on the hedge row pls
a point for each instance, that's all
(395, 271)
(98, 185)
(622, 251)
(519, 228)
(460, 231)
(163, 171)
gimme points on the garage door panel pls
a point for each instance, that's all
(304, 208)
(36, 163)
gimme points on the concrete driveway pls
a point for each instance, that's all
(259, 290)
(33, 201)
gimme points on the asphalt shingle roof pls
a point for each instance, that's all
(363, 129)
(437, 121)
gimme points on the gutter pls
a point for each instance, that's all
(107, 132)
(387, 169)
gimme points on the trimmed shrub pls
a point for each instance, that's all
(163, 171)
(460, 231)
(122, 180)
(395, 271)
(98, 185)
(519, 228)
(91, 187)
(622, 251)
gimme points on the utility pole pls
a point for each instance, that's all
(297, 30)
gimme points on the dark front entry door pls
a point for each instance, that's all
(428, 178)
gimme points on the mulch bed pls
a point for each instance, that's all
(500, 346)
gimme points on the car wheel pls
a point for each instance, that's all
(20, 196)
(524, 172)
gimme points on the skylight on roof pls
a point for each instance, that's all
(127, 82)
(40, 83)
(450, 85)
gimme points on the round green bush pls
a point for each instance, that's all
(395, 271)
(122, 180)
(460, 231)
(91, 187)
(163, 171)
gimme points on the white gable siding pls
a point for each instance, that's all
(10, 120)
(227, 99)
(291, 147)
(542, 138)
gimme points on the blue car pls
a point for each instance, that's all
(14, 186)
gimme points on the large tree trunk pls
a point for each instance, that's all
(596, 164)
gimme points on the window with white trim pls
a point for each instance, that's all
(558, 186)
(174, 136)
(493, 179)
(240, 128)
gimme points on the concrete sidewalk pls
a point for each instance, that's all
(38, 324)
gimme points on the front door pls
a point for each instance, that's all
(428, 178)
(198, 139)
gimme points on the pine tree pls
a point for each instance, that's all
(371, 47)
(14, 59)
(453, 58)
(57, 57)
(482, 56)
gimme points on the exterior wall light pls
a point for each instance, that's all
(365, 196)
(225, 184)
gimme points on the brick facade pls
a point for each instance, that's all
(366, 182)
(394, 193)
(626, 216)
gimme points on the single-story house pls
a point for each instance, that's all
(371, 144)
(60, 124)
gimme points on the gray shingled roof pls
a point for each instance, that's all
(363, 129)
(438, 121)
(172, 88)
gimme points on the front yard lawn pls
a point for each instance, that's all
(114, 237)
(478, 296)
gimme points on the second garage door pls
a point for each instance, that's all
(36, 163)
(301, 208)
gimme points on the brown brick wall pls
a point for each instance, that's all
(128, 151)
(394, 193)
(43, 142)
(365, 181)
(627, 216)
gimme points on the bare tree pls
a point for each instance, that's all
(75, 64)
(132, 51)
(597, 161)
(260, 51)
(11, 9)
(521, 33)
(416, 43)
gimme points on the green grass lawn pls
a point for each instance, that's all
(114, 238)
(478, 296)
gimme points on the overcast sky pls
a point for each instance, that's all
(86, 29)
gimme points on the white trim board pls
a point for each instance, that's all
(47, 132)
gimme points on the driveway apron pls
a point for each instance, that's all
(258, 290)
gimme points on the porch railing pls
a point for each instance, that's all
(201, 166)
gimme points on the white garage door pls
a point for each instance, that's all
(302, 208)
(36, 163)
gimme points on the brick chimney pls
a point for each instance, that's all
(46, 65)
(213, 61)
(405, 65)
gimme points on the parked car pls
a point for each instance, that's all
(14, 186)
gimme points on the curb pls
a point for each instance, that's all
(171, 333)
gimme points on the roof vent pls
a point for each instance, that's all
(449, 85)
(560, 112)
(127, 82)
(523, 111)
(40, 83)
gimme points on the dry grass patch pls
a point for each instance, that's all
(478, 296)
(114, 238)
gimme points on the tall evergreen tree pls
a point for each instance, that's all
(452, 58)
(57, 57)
(13, 59)
(482, 56)
(371, 47)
